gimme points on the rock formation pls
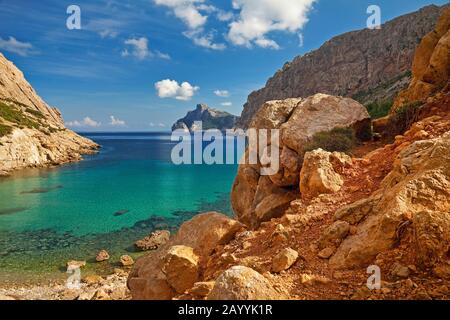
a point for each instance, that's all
(210, 118)
(349, 64)
(32, 133)
(431, 65)
(256, 198)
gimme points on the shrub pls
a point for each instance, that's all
(35, 113)
(338, 139)
(379, 109)
(403, 118)
(5, 130)
(12, 114)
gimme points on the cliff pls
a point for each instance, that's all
(211, 119)
(32, 133)
(366, 64)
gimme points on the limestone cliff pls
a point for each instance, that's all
(210, 118)
(31, 132)
(371, 64)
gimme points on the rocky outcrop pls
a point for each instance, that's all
(242, 283)
(256, 198)
(350, 63)
(417, 192)
(153, 241)
(173, 268)
(32, 134)
(210, 118)
(431, 66)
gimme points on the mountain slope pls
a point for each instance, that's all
(31, 132)
(354, 63)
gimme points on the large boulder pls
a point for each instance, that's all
(242, 283)
(153, 276)
(431, 66)
(416, 191)
(256, 198)
(318, 175)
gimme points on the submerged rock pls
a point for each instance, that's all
(153, 241)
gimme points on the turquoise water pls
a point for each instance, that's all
(107, 201)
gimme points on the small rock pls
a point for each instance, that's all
(246, 245)
(92, 279)
(87, 295)
(310, 279)
(326, 253)
(361, 293)
(103, 255)
(399, 271)
(202, 289)
(74, 264)
(153, 241)
(181, 268)
(126, 260)
(284, 260)
(101, 294)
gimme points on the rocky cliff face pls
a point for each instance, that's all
(210, 118)
(355, 63)
(31, 132)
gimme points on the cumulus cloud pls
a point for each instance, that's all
(116, 122)
(86, 122)
(15, 46)
(204, 40)
(257, 18)
(186, 10)
(171, 89)
(226, 104)
(140, 50)
(222, 93)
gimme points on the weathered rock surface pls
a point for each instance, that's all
(153, 241)
(39, 138)
(181, 268)
(318, 175)
(211, 119)
(284, 260)
(102, 255)
(202, 234)
(257, 198)
(349, 63)
(126, 260)
(242, 283)
(431, 65)
(416, 191)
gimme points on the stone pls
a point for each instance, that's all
(92, 279)
(326, 253)
(181, 268)
(101, 294)
(74, 264)
(242, 283)
(103, 255)
(153, 241)
(318, 175)
(87, 295)
(126, 261)
(334, 234)
(311, 279)
(273, 114)
(284, 260)
(202, 289)
(5, 297)
(399, 271)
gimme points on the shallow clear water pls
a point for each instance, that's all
(107, 201)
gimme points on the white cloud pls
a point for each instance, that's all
(257, 18)
(86, 122)
(161, 125)
(140, 50)
(186, 10)
(116, 122)
(171, 89)
(226, 104)
(15, 46)
(204, 40)
(222, 93)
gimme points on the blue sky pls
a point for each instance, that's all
(220, 52)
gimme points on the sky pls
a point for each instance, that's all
(139, 65)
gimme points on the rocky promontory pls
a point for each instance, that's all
(32, 134)
(210, 118)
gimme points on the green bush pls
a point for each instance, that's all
(338, 139)
(5, 130)
(379, 109)
(12, 114)
(35, 113)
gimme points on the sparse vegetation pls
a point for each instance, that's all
(403, 118)
(12, 114)
(379, 109)
(338, 139)
(4, 130)
(35, 113)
